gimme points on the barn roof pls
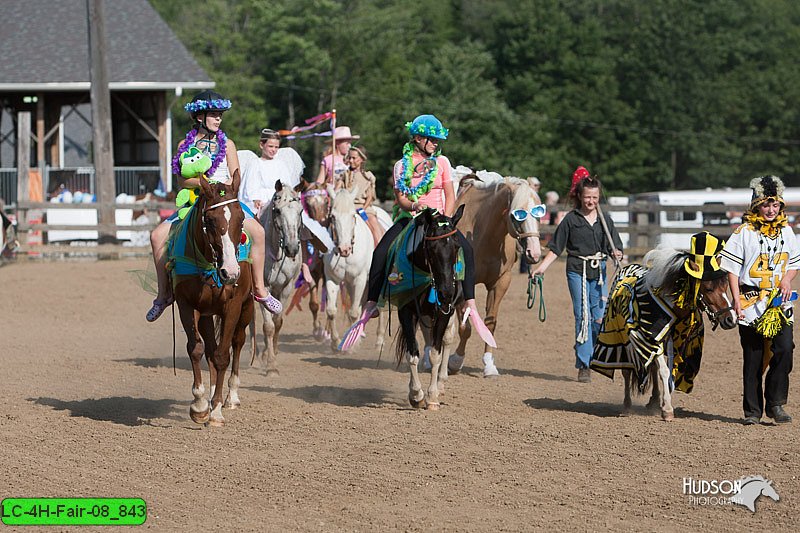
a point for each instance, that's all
(45, 48)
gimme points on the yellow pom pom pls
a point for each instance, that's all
(771, 322)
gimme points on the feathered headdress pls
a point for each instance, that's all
(766, 188)
(579, 174)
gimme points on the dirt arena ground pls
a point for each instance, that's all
(91, 408)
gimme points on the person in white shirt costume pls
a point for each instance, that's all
(762, 259)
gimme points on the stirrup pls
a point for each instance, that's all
(272, 304)
(158, 309)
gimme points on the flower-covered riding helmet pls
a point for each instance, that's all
(427, 126)
(207, 101)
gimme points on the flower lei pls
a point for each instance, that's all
(189, 141)
(403, 182)
(203, 105)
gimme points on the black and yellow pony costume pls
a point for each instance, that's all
(642, 322)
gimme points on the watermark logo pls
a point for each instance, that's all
(744, 491)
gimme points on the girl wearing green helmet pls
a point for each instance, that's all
(422, 180)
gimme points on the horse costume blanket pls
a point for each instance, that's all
(184, 258)
(639, 324)
(404, 281)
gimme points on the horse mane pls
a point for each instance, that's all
(665, 266)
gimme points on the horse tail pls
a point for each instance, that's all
(252, 339)
(402, 346)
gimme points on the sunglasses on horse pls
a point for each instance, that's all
(536, 211)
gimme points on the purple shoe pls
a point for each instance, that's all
(272, 304)
(158, 308)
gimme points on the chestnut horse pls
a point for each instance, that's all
(210, 281)
(490, 226)
(651, 338)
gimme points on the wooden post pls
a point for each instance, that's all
(23, 155)
(101, 119)
(161, 119)
(40, 161)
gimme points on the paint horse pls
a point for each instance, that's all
(281, 220)
(432, 279)
(653, 323)
(317, 204)
(347, 264)
(212, 280)
(499, 215)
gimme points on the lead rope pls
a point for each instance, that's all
(536, 288)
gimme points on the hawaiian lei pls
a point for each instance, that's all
(189, 141)
(403, 182)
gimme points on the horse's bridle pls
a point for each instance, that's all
(207, 208)
(282, 240)
(334, 233)
(713, 316)
(425, 240)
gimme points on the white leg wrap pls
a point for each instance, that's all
(489, 369)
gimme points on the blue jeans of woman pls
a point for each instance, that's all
(583, 351)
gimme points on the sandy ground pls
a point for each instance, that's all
(91, 408)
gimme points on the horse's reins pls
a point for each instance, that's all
(536, 288)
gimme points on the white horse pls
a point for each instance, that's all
(348, 263)
(281, 220)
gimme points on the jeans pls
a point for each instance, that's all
(583, 351)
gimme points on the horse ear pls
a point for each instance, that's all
(205, 186)
(235, 182)
(278, 186)
(301, 187)
(457, 215)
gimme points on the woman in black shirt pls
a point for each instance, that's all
(582, 235)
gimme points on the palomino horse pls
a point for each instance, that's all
(432, 308)
(281, 220)
(348, 263)
(653, 316)
(498, 216)
(211, 281)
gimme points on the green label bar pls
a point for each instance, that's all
(73, 511)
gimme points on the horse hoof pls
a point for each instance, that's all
(667, 416)
(232, 405)
(455, 363)
(418, 404)
(490, 372)
(199, 417)
(273, 373)
(216, 422)
(433, 406)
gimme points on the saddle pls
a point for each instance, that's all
(404, 281)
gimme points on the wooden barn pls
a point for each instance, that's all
(45, 71)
